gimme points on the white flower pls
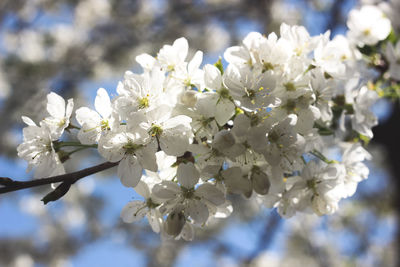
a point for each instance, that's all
(166, 170)
(356, 171)
(136, 210)
(190, 74)
(37, 149)
(236, 182)
(332, 56)
(226, 143)
(209, 160)
(284, 145)
(364, 119)
(315, 188)
(323, 90)
(59, 114)
(302, 106)
(368, 25)
(134, 151)
(251, 89)
(171, 57)
(172, 133)
(146, 61)
(244, 55)
(139, 92)
(194, 201)
(219, 104)
(298, 38)
(95, 123)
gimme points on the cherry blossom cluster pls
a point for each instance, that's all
(186, 137)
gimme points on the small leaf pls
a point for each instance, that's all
(57, 193)
(219, 65)
(365, 139)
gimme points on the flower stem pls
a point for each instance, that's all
(319, 155)
(72, 143)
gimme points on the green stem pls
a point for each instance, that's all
(319, 155)
(63, 144)
(60, 144)
(304, 160)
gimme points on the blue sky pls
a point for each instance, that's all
(112, 249)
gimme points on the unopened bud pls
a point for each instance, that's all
(260, 181)
(174, 223)
(188, 98)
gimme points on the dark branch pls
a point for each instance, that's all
(9, 185)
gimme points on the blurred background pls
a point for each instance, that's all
(73, 47)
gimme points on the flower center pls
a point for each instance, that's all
(144, 102)
(156, 130)
(131, 147)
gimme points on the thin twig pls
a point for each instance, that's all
(9, 185)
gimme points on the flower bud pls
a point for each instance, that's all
(188, 98)
(174, 223)
(260, 181)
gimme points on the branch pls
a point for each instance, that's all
(9, 185)
(266, 237)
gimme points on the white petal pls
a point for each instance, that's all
(155, 220)
(28, 121)
(165, 190)
(130, 171)
(147, 156)
(55, 105)
(111, 147)
(142, 189)
(206, 104)
(194, 64)
(198, 211)
(236, 54)
(89, 134)
(159, 114)
(210, 193)
(187, 175)
(70, 107)
(212, 77)
(224, 111)
(102, 103)
(180, 120)
(146, 61)
(224, 210)
(181, 46)
(133, 211)
(174, 144)
(187, 232)
(86, 115)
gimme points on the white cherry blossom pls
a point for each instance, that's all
(59, 114)
(368, 25)
(95, 123)
(38, 150)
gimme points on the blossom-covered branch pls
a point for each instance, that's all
(265, 127)
(10, 185)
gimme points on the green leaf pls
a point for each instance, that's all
(219, 65)
(365, 139)
(392, 37)
(57, 193)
